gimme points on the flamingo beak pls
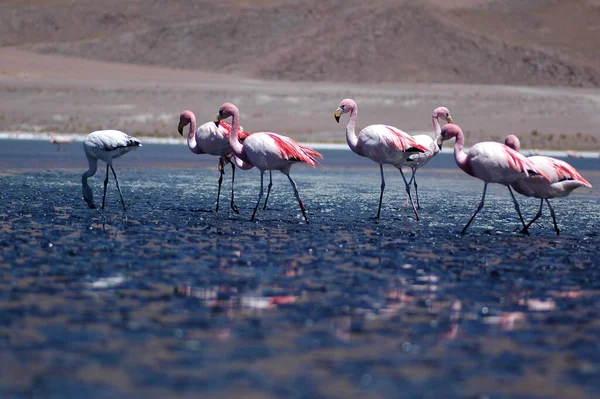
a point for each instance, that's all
(337, 114)
(449, 119)
(440, 141)
(180, 129)
(217, 119)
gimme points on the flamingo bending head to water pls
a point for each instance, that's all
(267, 151)
(380, 143)
(564, 178)
(419, 159)
(213, 140)
(492, 163)
(105, 145)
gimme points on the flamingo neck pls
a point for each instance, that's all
(437, 131)
(234, 142)
(86, 190)
(191, 139)
(459, 155)
(351, 137)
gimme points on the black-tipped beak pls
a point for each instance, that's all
(449, 119)
(337, 114)
(217, 119)
(439, 142)
(90, 204)
(180, 129)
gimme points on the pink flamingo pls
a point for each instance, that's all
(380, 143)
(563, 180)
(213, 140)
(267, 151)
(492, 163)
(58, 140)
(419, 159)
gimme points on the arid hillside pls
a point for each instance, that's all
(534, 42)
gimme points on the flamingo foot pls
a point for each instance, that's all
(234, 208)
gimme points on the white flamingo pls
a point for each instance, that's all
(380, 143)
(419, 159)
(267, 151)
(563, 180)
(105, 145)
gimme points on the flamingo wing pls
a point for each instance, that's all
(242, 134)
(567, 172)
(520, 163)
(403, 141)
(295, 151)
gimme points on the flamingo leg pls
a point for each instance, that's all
(220, 181)
(105, 185)
(414, 177)
(269, 189)
(259, 195)
(118, 188)
(381, 194)
(409, 196)
(536, 217)
(518, 208)
(233, 205)
(556, 229)
(302, 207)
(477, 211)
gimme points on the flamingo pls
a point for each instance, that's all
(563, 180)
(380, 143)
(267, 151)
(213, 140)
(492, 163)
(105, 145)
(419, 159)
(58, 140)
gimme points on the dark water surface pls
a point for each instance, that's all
(172, 299)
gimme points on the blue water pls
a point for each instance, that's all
(172, 299)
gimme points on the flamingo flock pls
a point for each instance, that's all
(501, 163)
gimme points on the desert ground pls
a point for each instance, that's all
(501, 67)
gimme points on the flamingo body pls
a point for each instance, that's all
(562, 180)
(211, 139)
(272, 151)
(492, 163)
(380, 143)
(267, 151)
(105, 145)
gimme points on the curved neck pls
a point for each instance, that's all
(85, 188)
(437, 131)
(459, 155)
(191, 139)
(234, 142)
(351, 137)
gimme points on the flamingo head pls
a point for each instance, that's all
(347, 105)
(449, 130)
(443, 112)
(513, 142)
(88, 196)
(184, 119)
(225, 111)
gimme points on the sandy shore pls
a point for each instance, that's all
(42, 93)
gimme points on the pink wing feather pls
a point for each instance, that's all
(227, 126)
(403, 141)
(519, 162)
(567, 172)
(291, 149)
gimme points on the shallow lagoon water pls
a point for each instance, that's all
(172, 298)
